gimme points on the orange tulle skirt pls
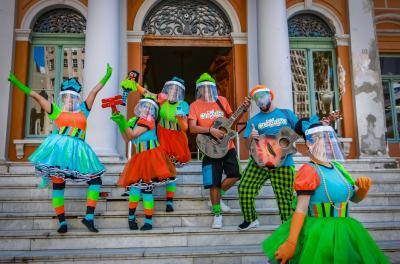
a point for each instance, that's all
(175, 143)
(150, 166)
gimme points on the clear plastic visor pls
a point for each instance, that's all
(69, 101)
(262, 99)
(207, 91)
(323, 144)
(174, 91)
(146, 109)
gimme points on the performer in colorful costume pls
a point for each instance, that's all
(64, 155)
(320, 230)
(149, 166)
(268, 121)
(171, 127)
(202, 114)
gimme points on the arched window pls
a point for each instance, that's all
(313, 64)
(189, 18)
(57, 53)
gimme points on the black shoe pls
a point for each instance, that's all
(146, 227)
(169, 208)
(90, 225)
(133, 225)
(248, 225)
(62, 229)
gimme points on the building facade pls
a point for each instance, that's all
(317, 55)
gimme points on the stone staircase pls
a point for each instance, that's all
(27, 221)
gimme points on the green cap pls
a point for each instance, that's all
(205, 77)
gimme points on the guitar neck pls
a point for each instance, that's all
(235, 115)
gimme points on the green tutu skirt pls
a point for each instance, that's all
(327, 240)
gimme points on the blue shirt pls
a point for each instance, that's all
(270, 124)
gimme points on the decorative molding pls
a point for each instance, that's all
(21, 143)
(134, 36)
(390, 17)
(187, 18)
(342, 40)
(23, 34)
(317, 9)
(60, 21)
(148, 5)
(308, 25)
(239, 38)
(308, 4)
(43, 6)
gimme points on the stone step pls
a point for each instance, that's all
(187, 177)
(249, 254)
(158, 237)
(29, 190)
(178, 218)
(119, 203)
(195, 165)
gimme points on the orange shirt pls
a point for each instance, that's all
(205, 113)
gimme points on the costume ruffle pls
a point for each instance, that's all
(175, 144)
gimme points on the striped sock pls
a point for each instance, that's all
(171, 188)
(58, 199)
(92, 197)
(134, 198)
(217, 209)
(148, 205)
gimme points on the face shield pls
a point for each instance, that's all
(146, 109)
(174, 91)
(323, 144)
(263, 100)
(207, 91)
(69, 101)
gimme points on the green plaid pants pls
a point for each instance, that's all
(253, 179)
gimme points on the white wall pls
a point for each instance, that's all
(7, 25)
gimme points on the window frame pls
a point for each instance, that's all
(310, 44)
(391, 79)
(59, 41)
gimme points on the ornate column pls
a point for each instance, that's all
(367, 84)
(102, 46)
(7, 25)
(273, 50)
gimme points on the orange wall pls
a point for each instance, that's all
(18, 97)
(241, 87)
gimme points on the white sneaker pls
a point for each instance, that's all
(245, 226)
(217, 224)
(224, 208)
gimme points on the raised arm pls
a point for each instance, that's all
(95, 90)
(46, 105)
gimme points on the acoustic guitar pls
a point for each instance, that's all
(214, 147)
(270, 151)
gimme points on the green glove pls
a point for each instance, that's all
(120, 120)
(19, 84)
(107, 76)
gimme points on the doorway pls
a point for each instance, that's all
(160, 64)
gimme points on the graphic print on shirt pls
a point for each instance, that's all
(272, 122)
(212, 114)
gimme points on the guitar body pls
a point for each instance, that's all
(270, 152)
(212, 147)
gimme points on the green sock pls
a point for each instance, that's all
(221, 192)
(217, 209)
